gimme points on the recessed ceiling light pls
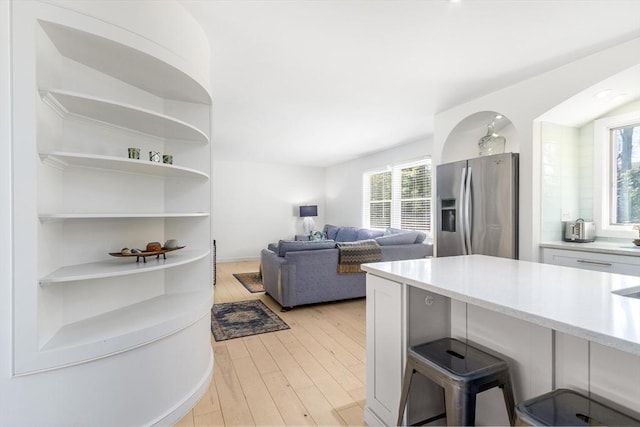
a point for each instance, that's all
(498, 116)
(603, 93)
(455, 1)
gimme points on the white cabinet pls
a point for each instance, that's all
(384, 350)
(399, 316)
(608, 263)
(85, 91)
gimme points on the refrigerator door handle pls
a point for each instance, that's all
(467, 213)
(462, 211)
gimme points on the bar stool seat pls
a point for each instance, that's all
(565, 407)
(462, 371)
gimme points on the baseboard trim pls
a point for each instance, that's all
(223, 260)
(182, 408)
(371, 418)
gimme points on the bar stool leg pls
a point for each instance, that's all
(507, 392)
(406, 384)
(460, 406)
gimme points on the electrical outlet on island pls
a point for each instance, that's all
(566, 216)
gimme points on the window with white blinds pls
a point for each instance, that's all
(399, 197)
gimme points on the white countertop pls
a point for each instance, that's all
(599, 246)
(570, 300)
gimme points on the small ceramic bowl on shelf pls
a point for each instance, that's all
(636, 242)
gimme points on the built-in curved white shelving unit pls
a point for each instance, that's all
(129, 326)
(104, 86)
(122, 267)
(121, 215)
(121, 164)
(121, 115)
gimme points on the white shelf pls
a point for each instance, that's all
(122, 266)
(121, 215)
(132, 66)
(131, 325)
(121, 115)
(122, 164)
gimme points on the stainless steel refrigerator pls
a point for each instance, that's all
(477, 206)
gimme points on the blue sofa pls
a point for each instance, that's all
(306, 272)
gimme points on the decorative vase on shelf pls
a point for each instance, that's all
(491, 143)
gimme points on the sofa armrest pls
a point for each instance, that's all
(271, 266)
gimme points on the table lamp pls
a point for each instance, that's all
(308, 212)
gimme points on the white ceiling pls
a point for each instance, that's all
(320, 82)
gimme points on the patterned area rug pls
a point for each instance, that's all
(251, 281)
(240, 319)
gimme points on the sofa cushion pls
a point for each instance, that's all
(367, 234)
(421, 237)
(347, 234)
(285, 246)
(404, 238)
(331, 231)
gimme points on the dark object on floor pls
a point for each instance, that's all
(213, 249)
(243, 318)
(463, 372)
(564, 407)
(251, 281)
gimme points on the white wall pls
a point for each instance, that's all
(343, 188)
(568, 166)
(257, 203)
(561, 154)
(5, 207)
(523, 103)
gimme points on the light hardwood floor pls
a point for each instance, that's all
(311, 374)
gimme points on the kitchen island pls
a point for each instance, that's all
(556, 327)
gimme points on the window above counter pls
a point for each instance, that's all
(617, 174)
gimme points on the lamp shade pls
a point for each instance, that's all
(310, 210)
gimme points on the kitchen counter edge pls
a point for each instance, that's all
(603, 247)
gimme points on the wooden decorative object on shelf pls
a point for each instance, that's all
(145, 254)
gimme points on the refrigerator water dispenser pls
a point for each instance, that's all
(448, 212)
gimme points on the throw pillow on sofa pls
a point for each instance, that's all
(368, 234)
(421, 237)
(318, 235)
(347, 234)
(404, 238)
(331, 231)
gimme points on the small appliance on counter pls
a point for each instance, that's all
(579, 231)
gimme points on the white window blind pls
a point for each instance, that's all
(399, 197)
(377, 190)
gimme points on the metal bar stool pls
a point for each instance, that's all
(565, 407)
(462, 371)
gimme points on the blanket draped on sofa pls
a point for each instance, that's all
(352, 254)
